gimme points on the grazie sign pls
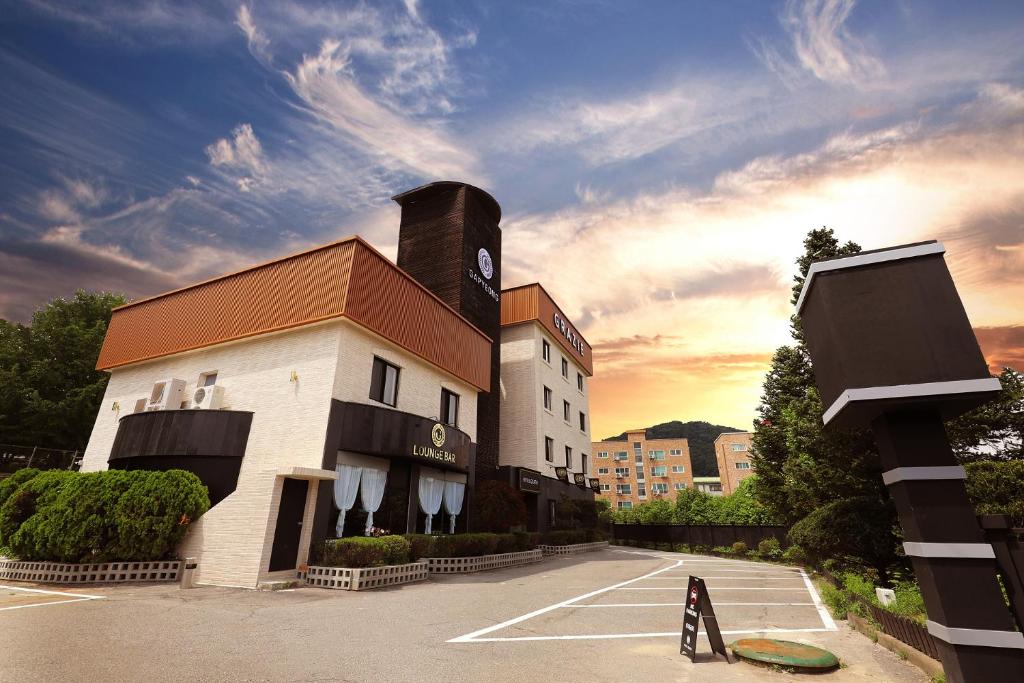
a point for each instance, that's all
(570, 334)
(529, 480)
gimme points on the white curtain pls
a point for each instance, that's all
(346, 486)
(431, 491)
(371, 491)
(454, 492)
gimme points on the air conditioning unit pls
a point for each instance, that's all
(166, 395)
(140, 405)
(208, 398)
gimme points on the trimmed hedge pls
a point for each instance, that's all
(115, 515)
(364, 551)
(470, 545)
(572, 537)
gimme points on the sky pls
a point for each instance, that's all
(658, 163)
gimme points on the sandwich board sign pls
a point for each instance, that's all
(698, 606)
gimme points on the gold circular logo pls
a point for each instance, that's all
(437, 435)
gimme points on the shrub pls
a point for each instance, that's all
(722, 549)
(858, 529)
(526, 540)
(11, 483)
(464, 545)
(997, 488)
(770, 549)
(507, 543)
(836, 599)
(101, 516)
(419, 545)
(364, 551)
(794, 554)
(565, 537)
(739, 548)
(497, 507)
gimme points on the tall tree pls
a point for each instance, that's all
(48, 372)
(800, 466)
(994, 431)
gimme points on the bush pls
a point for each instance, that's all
(722, 550)
(770, 549)
(464, 545)
(997, 488)
(836, 599)
(739, 548)
(507, 543)
(497, 507)
(794, 554)
(419, 545)
(526, 540)
(364, 551)
(567, 537)
(854, 529)
(101, 516)
(11, 483)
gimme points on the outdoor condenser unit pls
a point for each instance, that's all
(208, 398)
(166, 395)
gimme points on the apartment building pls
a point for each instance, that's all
(639, 469)
(732, 451)
(546, 366)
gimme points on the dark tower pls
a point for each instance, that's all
(450, 242)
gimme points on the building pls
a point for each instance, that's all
(638, 469)
(319, 394)
(545, 417)
(709, 485)
(732, 451)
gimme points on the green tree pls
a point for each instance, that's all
(997, 488)
(50, 390)
(994, 431)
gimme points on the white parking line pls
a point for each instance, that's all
(682, 604)
(75, 597)
(601, 636)
(794, 577)
(718, 588)
(826, 618)
(474, 636)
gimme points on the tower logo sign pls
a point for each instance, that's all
(483, 259)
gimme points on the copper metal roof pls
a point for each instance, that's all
(347, 279)
(532, 302)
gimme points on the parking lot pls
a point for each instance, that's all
(603, 616)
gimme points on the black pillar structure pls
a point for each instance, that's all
(892, 348)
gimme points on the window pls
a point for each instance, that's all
(579, 381)
(207, 379)
(545, 350)
(675, 451)
(547, 399)
(678, 469)
(602, 470)
(656, 455)
(606, 487)
(568, 457)
(625, 505)
(641, 490)
(583, 422)
(602, 454)
(639, 471)
(660, 471)
(565, 368)
(549, 449)
(743, 465)
(621, 471)
(449, 408)
(583, 463)
(680, 485)
(739, 447)
(639, 457)
(659, 488)
(566, 409)
(624, 489)
(384, 382)
(637, 446)
(621, 455)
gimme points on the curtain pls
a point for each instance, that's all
(431, 491)
(345, 488)
(454, 492)
(371, 491)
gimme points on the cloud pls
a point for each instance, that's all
(821, 45)
(1002, 346)
(242, 153)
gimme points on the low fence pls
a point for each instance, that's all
(713, 535)
(14, 458)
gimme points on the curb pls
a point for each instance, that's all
(919, 659)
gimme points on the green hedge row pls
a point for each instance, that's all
(572, 537)
(362, 551)
(108, 516)
(470, 545)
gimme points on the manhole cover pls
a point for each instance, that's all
(784, 653)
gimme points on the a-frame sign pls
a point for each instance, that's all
(698, 604)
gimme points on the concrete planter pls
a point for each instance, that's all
(104, 572)
(365, 578)
(463, 565)
(573, 549)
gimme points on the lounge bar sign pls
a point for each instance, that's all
(529, 480)
(580, 479)
(435, 452)
(570, 334)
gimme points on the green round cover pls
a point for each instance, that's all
(784, 653)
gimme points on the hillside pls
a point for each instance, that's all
(701, 437)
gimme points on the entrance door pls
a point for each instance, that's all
(285, 552)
